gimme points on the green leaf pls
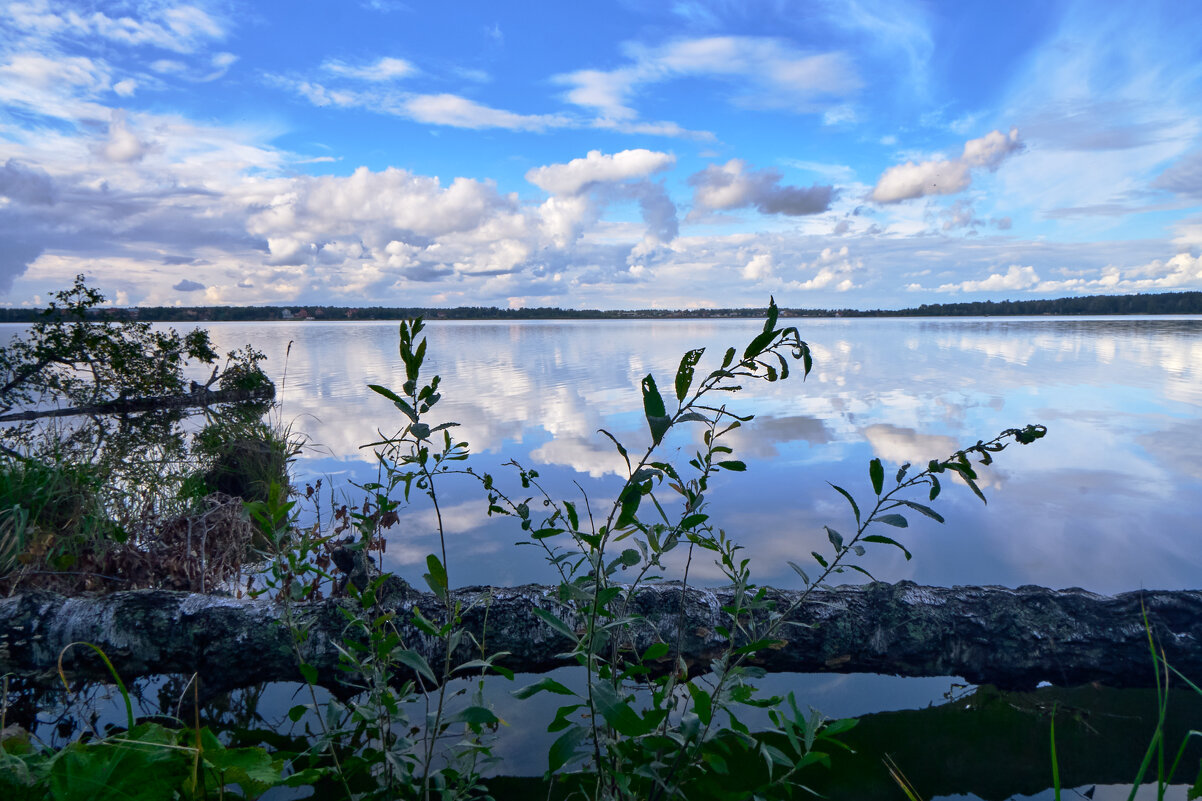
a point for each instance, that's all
(757, 345)
(655, 651)
(308, 672)
(416, 662)
(684, 374)
(733, 465)
(797, 569)
(702, 703)
(835, 537)
(617, 712)
(564, 749)
(851, 500)
(297, 712)
(773, 314)
(891, 520)
(618, 445)
(694, 520)
(475, 716)
(926, 510)
(629, 558)
(972, 485)
(653, 405)
(887, 541)
(436, 579)
(631, 497)
(573, 518)
(555, 623)
(876, 472)
(819, 558)
(545, 684)
(386, 392)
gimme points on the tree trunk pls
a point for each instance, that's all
(201, 396)
(1012, 638)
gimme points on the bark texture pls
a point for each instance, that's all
(1012, 638)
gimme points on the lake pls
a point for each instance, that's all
(1110, 500)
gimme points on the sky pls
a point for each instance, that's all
(700, 153)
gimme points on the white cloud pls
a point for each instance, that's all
(383, 69)
(945, 176)
(179, 28)
(578, 174)
(759, 268)
(1016, 277)
(772, 73)
(459, 112)
(434, 109)
(122, 145)
(581, 188)
(733, 186)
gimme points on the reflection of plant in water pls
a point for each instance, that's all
(103, 501)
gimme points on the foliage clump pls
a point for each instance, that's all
(97, 471)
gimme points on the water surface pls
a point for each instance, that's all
(1110, 500)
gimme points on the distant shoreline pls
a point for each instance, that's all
(1166, 303)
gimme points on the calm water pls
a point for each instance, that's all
(1110, 500)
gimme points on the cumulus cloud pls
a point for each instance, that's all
(1015, 277)
(759, 268)
(732, 185)
(596, 167)
(582, 187)
(832, 270)
(188, 286)
(946, 176)
(122, 145)
(1182, 271)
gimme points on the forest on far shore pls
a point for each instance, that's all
(1159, 303)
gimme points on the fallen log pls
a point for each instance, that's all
(1012, 638)
(200, 396)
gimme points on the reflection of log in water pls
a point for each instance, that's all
(989, 635)
(201, 396)
(991, 744)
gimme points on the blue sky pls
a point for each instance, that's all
(613, 155)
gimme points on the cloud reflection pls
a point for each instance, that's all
(1104, 502)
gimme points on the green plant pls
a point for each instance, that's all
(644, 731)
(242, 455)
(145, 761)
(72, 358)
(646, 724)
(73, 487)
(1158, 750)
(51, 513)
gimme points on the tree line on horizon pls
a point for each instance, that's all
(1156, 303)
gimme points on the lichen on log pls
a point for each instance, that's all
(1013, 638)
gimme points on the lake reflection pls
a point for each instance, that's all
(1110, 500)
